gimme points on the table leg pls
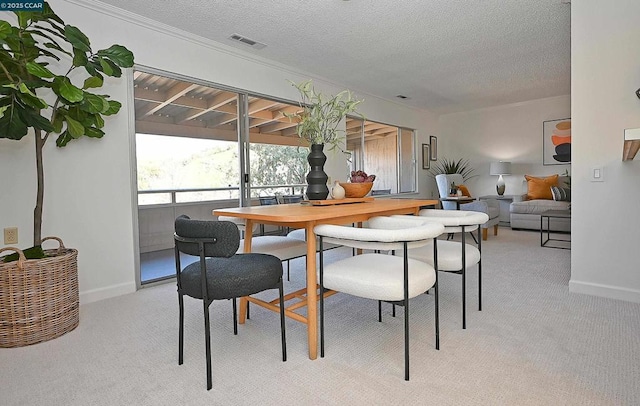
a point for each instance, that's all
(244, 303)
(312, 295)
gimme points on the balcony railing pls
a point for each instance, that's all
(161, 197)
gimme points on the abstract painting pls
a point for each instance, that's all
(556, 142)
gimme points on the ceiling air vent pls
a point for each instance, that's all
(247, 41)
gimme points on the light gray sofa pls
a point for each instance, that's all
(525, 214)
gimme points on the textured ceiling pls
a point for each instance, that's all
(445, 55)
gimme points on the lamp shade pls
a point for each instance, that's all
(500, 168)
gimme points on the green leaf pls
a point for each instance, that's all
(94, 132)
(5, 29)
(98, 121)
(12, 126)
(93, 82)
(38, 70)
(23, 19)
(75, 128)
(63, 139)
(79, 57)
(116, 71)
(67, 90)
(58, 121)
(91, 70)
(3, 109)
(114, 107)
(77, 39)
(106, 68)
(120, 55)
(24, 89)
(33, 119)
(32, 100)
(93, 103)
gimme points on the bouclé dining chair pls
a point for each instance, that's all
(377, 275)
(283, 247)
(452, 257)
(220, 274)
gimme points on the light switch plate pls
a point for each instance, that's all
(597, 174)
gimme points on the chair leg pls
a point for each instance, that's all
(321, 300)
(464, 279)
(437, 312)
(380, 311)
(283, 333)
(181, 330)
(248, 314)
(480, 278)
(406, 338)
(495, 229)
(406, 312)
(436, 294)
(393, 310)
(235, 317)
(485, 233)
(207, 343)
(288, 267)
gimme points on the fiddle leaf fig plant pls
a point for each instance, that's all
(47, 75)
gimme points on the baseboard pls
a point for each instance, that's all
(95, 295)
(608, 291)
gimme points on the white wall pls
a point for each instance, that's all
(605, 70)
(88, 198)
(605, 74)
(503, 133)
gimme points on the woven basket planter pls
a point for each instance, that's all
(38, 297)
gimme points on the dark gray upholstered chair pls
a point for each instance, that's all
(268, 200)
(228, 275)
(286, 199)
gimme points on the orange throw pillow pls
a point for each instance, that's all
(464, 190)
(540, 188)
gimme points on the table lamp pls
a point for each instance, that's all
(500, 168)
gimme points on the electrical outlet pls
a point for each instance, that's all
(11, 235)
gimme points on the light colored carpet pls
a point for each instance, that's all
(534, 343)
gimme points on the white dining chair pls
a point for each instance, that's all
(453, 256)
(377, 275)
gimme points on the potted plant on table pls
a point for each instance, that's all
(317, 123)
(36, 100)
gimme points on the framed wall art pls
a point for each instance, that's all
(433, 144)
(556, 142)
(426, 156)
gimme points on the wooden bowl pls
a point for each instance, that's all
(356, 189)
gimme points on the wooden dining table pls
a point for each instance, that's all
(307, 216)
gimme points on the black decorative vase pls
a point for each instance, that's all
(316, 178)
